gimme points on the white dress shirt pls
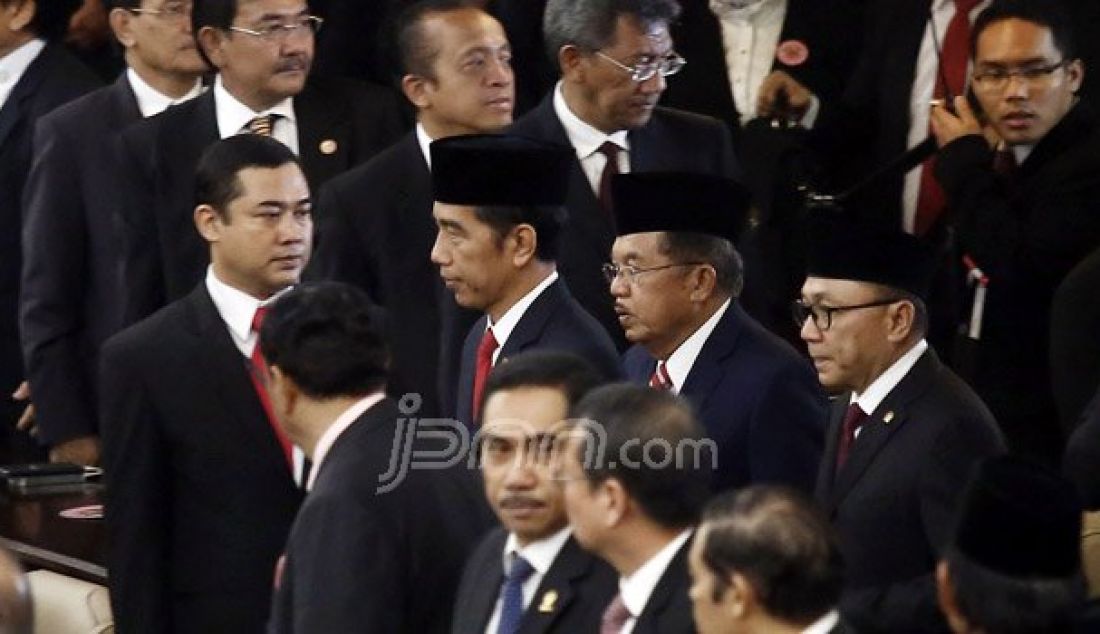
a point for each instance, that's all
(338, 427)
(637, 588)
(586, 141)
(14, 64)
(881, 387)
(825, 624)
(541, 555)
(508, 321)
(749, 37)
(925, 75)
(679, 363)
(425, 142)
(233, 117)
(151, 101)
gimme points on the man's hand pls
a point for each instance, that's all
(947, 127)
(781, 96)
(26, 420)
(83, 451)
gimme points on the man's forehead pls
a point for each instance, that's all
(636, 245)
(270, 8)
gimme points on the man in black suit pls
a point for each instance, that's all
(530, 575)
(71, 294)
(200, 479)
(904, 431)
(613, 62)
(1028, 228)
(376, 227)
(363, 555)
(765, 561)
(38, 76)
(635, 469)
(676, 278)
(262, 50)
(499, 213)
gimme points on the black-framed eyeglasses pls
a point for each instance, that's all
(644, 71)
(630, 273)
(993, 79)
(170, 11)
(822, 316)
(280, 31)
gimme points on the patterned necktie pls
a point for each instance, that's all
(615, 616)
(610, 168)
(660, 380)
(259, 381)
(263, 125)
(485, 351)
(853, 419)
(511, 596)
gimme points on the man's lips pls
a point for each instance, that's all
(500, 103)
(521, 506)
(1018, 119)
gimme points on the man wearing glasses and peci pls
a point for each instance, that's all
(614, 59)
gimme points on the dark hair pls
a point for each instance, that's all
(417, 53)
(920, 309)
(1013, 605)
(218, 14)
(563, 371)
(326, 337)
(782, 543)
(547, 221)
(632, 419)
(121, 4)
(719, 253)
(1046, 13)
(217, 177)
(590, 24)
(51, 17)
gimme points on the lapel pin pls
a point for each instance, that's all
(328, 146)
(889, 417)
(549, 601)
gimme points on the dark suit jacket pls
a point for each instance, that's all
(672, 141)
(376, 231)
(583, 583)
(363, 561)
(554, 321)
(199, 496)
(164, 254)
(893, 503)
(1082, 459)
(668, 610)
(758, 400)
(1075, 341)
(53, 78)
(71, 294)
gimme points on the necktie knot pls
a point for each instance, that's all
(966, 6)
(611, 151)
(853, 420)
(660, 380)
(258, 318)
(615, 616)
(263, 125)
(519, 571)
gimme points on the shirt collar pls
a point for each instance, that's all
(877, 391)
(236, 307)
(744, 14)
(508, 321)
(15, 63)
(338, 427)
(1021, 152)
(540, 554)
(150, 100)
(584, 138)
(425, 143)
(233, 115)
(679, 363)
(825, 624)
(637, 588)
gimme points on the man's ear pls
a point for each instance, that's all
(284, 391)
(902, 317)
(120, 21)
(740, 597)
(210, 43)
(615, 501)
(703, 281)
(20, 14)
(571, 61)
(208, 222)
(416, 88)
(526, 242)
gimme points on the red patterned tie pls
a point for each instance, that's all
(259, 381)
(485, 351)
(615, 616)
(660, 380)
(853, 419)
(954, 59)
(610, 168)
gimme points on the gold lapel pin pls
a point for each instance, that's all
(328, 146)
(889, 417)
(549, 601)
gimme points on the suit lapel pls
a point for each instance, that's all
(124, 107)
(673, 581)
(468, 370)
(487, 584)
(826, 473)
(707, 370)
(531, 325)
(556, 592)
(13, 110)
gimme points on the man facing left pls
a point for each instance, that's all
(200, 488)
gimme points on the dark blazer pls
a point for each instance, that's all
(893, 503)
(1075, 341)
(71, 294)
(672, 141)
(758, 399)
(583, 584)
(53, 78)
(199, 496)
(554, 321)
(668, 610)
(1081, 463)
(360, 560)
(164, 254)
(376, 231)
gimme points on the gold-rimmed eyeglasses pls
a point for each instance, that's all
(645, 70)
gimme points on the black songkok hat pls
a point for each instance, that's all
(681, 202)
(1021, 520)
(841, 247)
(498, 169)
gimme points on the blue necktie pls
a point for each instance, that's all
(511, 596)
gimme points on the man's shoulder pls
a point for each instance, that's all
(91, 110)
(683, 121)
(378, 174)
(154, 333)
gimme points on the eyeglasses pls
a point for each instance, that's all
(276, 32)
(994, 79)
(630, 274)
(170, 11)
(644, 71)
(822, 316)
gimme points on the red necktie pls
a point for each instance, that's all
(853, 419)
(485, 351)
(615, 616)
(660, 380)
(611, 168)
(953, 62)
(259, 381)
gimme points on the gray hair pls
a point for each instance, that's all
(590, 24)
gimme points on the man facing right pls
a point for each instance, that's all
(904, 432)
